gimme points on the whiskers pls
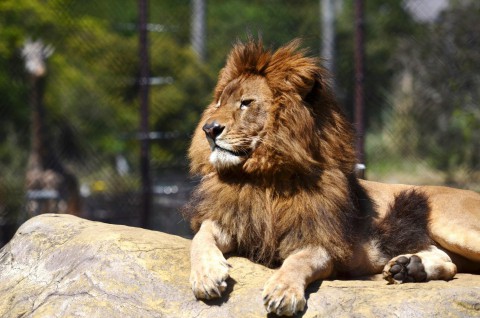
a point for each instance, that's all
(238, 145)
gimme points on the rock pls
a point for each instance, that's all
(64, 266)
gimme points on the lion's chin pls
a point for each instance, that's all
(222, 159)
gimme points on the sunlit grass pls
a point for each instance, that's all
(385, 164)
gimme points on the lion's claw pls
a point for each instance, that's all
(282, 297)
(208, 277)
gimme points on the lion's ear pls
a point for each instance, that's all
(317, 87)
(291, 70)
(303, 85)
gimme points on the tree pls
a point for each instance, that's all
(91, 92)
(386, 23)
(444, 84)
(275, 22)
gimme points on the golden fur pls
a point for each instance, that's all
(276, 158)
(282, 163)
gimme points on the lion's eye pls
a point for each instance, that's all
(245, 103)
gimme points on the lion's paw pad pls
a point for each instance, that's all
(405, 269)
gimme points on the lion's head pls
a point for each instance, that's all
(272, 112)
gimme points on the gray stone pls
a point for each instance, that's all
(64, 266)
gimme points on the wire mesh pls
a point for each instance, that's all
(422, 86)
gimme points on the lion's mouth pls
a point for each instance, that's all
(232, 152)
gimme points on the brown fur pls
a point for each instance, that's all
(306, 172)
(405, 226)
(278, 187)
(294, 79)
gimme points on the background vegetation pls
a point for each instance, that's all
(423, 85)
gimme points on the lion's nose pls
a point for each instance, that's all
(213, 129)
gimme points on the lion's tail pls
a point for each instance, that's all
(405, 226)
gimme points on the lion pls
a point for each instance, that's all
(277, 164)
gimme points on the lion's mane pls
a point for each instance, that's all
(297, 188)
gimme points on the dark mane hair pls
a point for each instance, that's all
(295, 189)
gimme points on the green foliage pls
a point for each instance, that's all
(386, 23)
(92, 89)
(91, 93)
(91, 96)
(276, 22)
(445, 89)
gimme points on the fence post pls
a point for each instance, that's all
(144, 114)
(327, 11)
(359, 118)
(198, 28)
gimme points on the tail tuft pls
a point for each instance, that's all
(405, 226)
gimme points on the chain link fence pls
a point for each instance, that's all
(70, 121)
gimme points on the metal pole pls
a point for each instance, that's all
(360, 82)
(327, 9)
(198, 29)
(144, 127)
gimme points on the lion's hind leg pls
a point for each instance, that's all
(430, 264)
(455, 222)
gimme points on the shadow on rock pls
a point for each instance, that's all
(226, 295)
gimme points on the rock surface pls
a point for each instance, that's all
(64, 266)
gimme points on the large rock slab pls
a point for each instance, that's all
(64, 266)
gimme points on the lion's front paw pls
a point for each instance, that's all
(209, 275)
(405, 269)
(283, 296)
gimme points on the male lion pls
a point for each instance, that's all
(277, 164)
